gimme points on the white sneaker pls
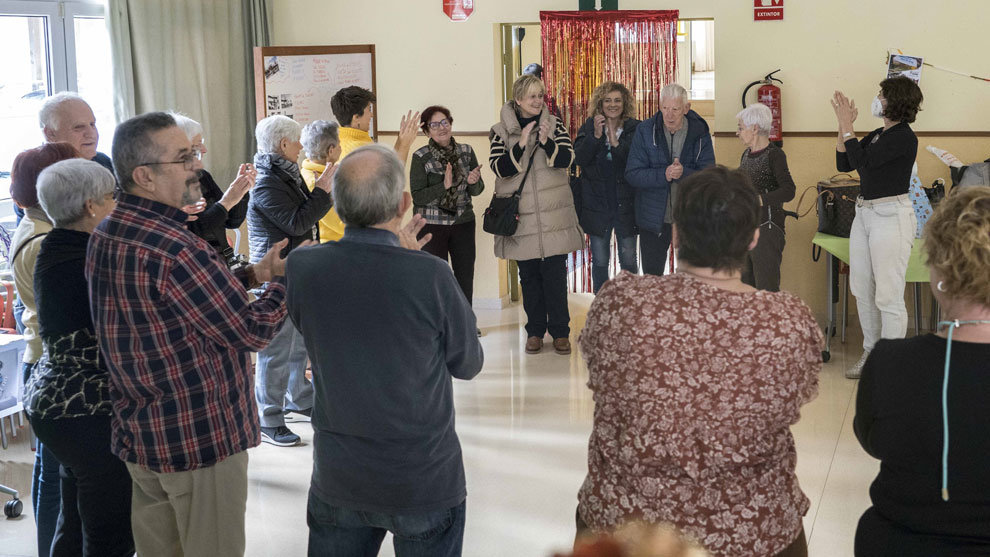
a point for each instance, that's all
(857, 369)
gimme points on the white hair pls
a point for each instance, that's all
(758, 115)
(48, 115)
(66, 186)
(190, 127)
(272, 130)
(368, 191)
(673, 91)
(317, 137)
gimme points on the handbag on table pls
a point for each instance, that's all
(502, 215)
(837, 204)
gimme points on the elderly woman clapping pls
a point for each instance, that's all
(282, 207)
(219, 209)
(766, 166)
(321, 142)
(68, 393)
(921, 405)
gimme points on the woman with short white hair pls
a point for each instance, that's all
(68, 393)
(766, 166)
(219, 209)
(321, 144)
(282, 208)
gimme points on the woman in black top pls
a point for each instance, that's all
(68, 393)
(218, 210)
(766, 166)
(883, 230)
(922, 404)
(604, 199)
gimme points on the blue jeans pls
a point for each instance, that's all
(280, 383)
(338, 531)
(601, 254)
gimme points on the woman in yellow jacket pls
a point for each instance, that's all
(321, 141)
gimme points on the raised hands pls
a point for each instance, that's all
(524, 136)
(194, 209)
(845, 109)
(599, 125)
(407, 134)
(474, 176)
(246, 176)
(409, 231)
(325, 181)
(545, 132)
(448, 177)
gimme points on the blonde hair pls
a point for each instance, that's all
(957, 244)
(628, 102)
(525, 85)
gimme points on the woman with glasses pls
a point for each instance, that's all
(68, 395)
(218, 210)
(443, 177)
(766, 166)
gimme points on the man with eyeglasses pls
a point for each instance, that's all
(176, 329)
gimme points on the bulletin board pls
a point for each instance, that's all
(298, 81)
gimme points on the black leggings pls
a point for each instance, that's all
(95, 517)
(457, 241)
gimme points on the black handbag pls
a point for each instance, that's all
(837, 205)
(502, 215)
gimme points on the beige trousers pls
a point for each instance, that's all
(190, 514)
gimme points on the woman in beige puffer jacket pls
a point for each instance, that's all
(548, 224)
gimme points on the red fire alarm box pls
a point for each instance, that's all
(458, 10)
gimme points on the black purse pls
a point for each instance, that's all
(837, 205)
(502, 215)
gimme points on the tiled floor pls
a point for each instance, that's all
(524, 424)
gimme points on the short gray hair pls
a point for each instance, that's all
(317, 137)
(674, 91)
(190, 127)
(133, 146)
(66, 186)
(48, 115)
(368, 184)
(758, 115)
(272, 130)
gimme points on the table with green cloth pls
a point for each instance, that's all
(837, 247)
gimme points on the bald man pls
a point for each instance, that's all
(67, 117)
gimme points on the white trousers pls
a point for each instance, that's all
(879, 248)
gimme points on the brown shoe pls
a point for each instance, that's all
(562, 346)
(534, 345)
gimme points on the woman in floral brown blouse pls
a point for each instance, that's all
(697, 379)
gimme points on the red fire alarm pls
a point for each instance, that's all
(768, 10)
(458, 10)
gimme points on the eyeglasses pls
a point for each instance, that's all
(188, 161)
(445, 123)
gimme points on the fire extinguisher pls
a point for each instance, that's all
(769, 94)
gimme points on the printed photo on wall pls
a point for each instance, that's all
(907, 66)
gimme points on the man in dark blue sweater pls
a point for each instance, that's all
(672, 145)
(387, 328)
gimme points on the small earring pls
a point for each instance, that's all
(939, 287)
(92, 214)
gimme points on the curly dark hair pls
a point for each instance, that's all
(716, 212)
(350, 102)
(628, 102)
(427, 115)
(903, 99)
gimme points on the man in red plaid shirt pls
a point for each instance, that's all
(176, 330)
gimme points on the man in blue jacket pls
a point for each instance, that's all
(667, 148)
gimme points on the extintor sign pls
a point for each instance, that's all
(458, 10)
(768, 10)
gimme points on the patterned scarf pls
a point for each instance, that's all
(450, 154)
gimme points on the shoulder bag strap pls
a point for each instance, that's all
(528, 167)
(22, 246)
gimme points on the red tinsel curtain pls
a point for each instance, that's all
(582, 49)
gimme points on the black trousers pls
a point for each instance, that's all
(654, 248)
(456, 241)
(544, 290)
(762, 267)
(95, 517)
